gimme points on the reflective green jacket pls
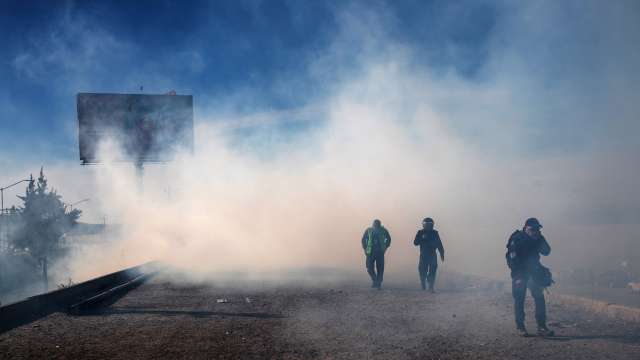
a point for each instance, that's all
(376, 241)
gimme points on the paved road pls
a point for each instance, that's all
(161, 319)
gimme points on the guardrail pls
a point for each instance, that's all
(74, 298)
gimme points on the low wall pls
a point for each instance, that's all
(35, 307)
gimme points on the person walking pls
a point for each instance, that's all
(375, 242)
(523, 258)
(429, 241)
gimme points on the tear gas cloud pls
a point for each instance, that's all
(531, 135)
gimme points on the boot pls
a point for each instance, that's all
(522, 331)
(545, 331)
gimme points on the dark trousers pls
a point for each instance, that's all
(375, 267)
(519, 285)
(427, 269)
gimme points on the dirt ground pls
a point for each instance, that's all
(621, 296)
(343, 320)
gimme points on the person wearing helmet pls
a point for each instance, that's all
(375, 242)
(429, 241)
(523, 258)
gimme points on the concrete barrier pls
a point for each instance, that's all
(110, 293)
(35, 307)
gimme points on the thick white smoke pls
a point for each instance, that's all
(542, 129)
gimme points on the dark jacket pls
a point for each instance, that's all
(429, 241)
(381, 240)
(523, 252)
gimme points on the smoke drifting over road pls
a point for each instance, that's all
(531, 133)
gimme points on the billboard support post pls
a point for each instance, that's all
(140, 176)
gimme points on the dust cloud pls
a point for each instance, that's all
(531, 133)
(381, 151)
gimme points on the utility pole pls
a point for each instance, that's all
(2, 189)
(3, 220)
(77, 202)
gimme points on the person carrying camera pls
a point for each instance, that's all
(523, 258)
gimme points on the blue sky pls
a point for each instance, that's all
(537, 102)
(281, 55)
(52, 50)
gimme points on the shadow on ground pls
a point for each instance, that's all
(116, 311)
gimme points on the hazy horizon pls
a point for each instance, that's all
(313, 121)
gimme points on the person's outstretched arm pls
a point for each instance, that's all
(386, 233)
(417, 239)
(440, 248)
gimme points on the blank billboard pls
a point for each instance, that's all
(147, 127)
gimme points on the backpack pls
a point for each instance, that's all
(510, 255)
(542, 276)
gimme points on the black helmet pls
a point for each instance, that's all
(427, 220)
(533, 222)
(377, 223)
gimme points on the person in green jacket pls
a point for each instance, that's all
(375, 242)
